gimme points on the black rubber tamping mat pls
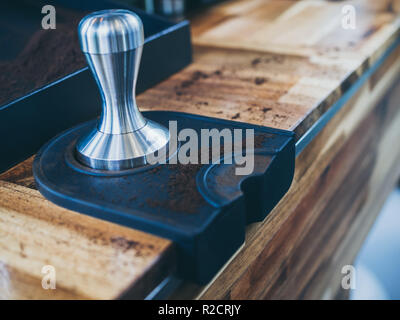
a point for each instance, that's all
(204, 208)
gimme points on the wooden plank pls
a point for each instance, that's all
(303, 244)
(382, 180)
(93, 259)
(286, 92)
(267, 84)
(21, 174)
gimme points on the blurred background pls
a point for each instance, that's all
(378, 263)
(174, 9)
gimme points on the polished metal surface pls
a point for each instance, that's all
(116, 76)
(110, 31)
(123, 138)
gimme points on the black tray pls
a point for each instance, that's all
(203, 208)
(39, 113)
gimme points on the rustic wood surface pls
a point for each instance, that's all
(93, 259)
(275, 63)
(341, 181)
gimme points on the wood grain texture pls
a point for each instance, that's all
(341, 181)
(276, 63)
(21, 174)
(93, 259)
(309, 28)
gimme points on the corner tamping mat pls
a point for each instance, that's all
(204, 208)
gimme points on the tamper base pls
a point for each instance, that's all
(117, 152)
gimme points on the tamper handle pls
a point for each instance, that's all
(112, 42)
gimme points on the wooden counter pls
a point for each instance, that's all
(284, 64)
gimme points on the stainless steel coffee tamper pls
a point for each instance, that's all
(112, 41)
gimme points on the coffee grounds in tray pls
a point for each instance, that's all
(181, 187)
(49, 55)
(183, 195)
